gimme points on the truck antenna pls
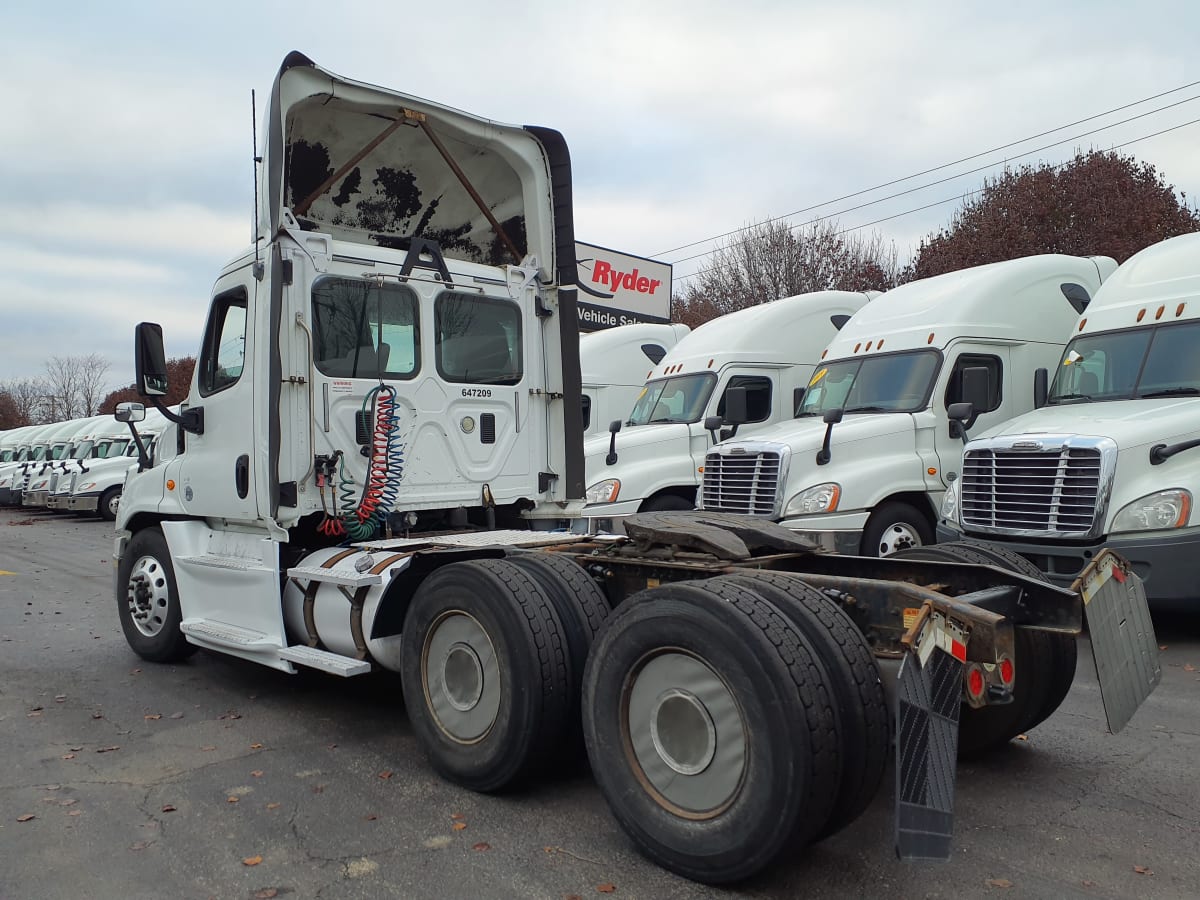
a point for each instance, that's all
(257, 160)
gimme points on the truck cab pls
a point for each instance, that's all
(79, 444)
(761, 357)
(863, 467)
(613, 364)
(1113, 457)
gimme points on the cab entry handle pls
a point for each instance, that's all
(241, 476)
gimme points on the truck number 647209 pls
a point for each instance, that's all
(477, 392)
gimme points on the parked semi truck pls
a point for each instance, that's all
(386, 407)
(864, 466)
(613, 364)
(748, 368)
(1112, 456)
(48, 445)
(77, 443)
(91, 447)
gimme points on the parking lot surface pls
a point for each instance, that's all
(220, 778)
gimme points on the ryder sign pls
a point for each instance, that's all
(617, 289)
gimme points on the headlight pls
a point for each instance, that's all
(1154, 512)
(604, 491)
(950, 503)
(821, 498)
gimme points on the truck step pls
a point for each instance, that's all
(226, 635)
(329, 576)
(333, 663)
(214, 561)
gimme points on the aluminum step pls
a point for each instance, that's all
(226, 635)
(333, 663)
(212, 560)
(335, 576)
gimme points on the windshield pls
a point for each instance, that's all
(898, 382)
(116, 447)
(59, 451)
(679, 399)
(84, 450)
(1121, 365)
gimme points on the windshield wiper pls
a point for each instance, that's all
(853, 409)
(1071, 397)
(1172, 392)
(661, 421)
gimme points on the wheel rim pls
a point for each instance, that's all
(113, 502)
(148, 596)
(899, 536)
(685, 731)
(461, 677)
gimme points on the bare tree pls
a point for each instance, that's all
(75, 385)
(28, 396)
(770, 260)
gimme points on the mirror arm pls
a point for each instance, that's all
(143, 456)
(190, 420)
(824, 454)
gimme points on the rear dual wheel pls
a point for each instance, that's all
(711, 729)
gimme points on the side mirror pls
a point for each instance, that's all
(831, 418)
(150, 360)
(736, 412)
(713, 424)
(613, 427)
(976, 387)
(962, 416)
(130, 412)
(1041, 387)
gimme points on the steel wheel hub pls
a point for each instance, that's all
(148, 596)
(901, 536)
(461, 677)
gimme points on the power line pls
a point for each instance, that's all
(958, 197)
(957, 162)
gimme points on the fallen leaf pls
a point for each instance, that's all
(459, 826)
(152, 717)
(251, 860)
(607, 888)
(207, 749)
(73, 812)
(107, 749)
(97, 715)
(26, 817)
(1088, 884)
(52, 787)
(69, 756)
(572, 897)
(136, 672)
(1022, 737)
(385, 774)
(36, 708)
(318, 788)
(1188, 667)
(74, 749)
(256, 746)
(370, 817)
(1142, 870)
(71, 802)
(257, 773)
(457, 816)
(176, 715)
(999, 883)
(60, 698)
(266, 894)
(231, 799)
(1162, 646)
(140, 845)
(168, 808)
(273, 806)
(32, 715)
(482, 845)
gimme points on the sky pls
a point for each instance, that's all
(125, 168)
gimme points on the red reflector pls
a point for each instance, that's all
(958, 650)
(1006, 670)
(1119, 575)
(975, 683)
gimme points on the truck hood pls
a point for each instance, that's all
(372, 166)
(1131, 423)
(804, 435)
(634, 444)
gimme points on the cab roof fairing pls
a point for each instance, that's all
(318, 122)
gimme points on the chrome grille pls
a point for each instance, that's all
(745, 483)
(1055, 491)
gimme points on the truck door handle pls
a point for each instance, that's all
(241, 475)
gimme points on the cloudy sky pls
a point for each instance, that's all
(126, 181)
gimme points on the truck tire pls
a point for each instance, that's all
(581, 609)
(666, 503)
(107, 505)
(987, 728)
(893, 527)
(860, 701)
(1064, 648)
(485, 672)
(148, 600)
(710, 730)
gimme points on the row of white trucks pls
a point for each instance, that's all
(384, 436)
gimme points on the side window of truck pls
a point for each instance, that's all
(954, 393)
(758, 396)
(223, 355)
(478, 339)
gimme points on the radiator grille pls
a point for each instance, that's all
(745, 483)
(1054, 491)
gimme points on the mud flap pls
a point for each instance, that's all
(928, 693)
(1124, 646)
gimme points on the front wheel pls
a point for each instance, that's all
(894, 527)
(108, 503)
(148, 601)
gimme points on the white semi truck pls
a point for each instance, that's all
(23, 445)
(864, 466)
(76, 445)
(51, 443)
(97, 489)
(613, 364)
(761, 358)
(387, 398)
(1112, 456)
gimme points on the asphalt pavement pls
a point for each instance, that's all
(220, 778)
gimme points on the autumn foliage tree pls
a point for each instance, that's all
(179, 377)
(770, 260)
(1099, 203)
